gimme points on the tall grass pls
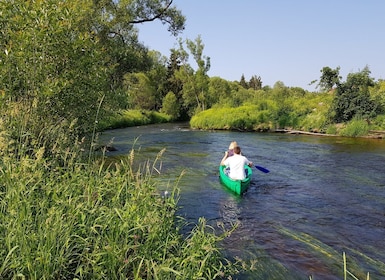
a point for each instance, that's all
(355, 128)
(73, 220)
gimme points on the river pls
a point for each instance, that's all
(323, 196)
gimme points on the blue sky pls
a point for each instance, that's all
(280, 40)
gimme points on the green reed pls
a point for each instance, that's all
(70, 220)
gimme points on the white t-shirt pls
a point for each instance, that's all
(237, 163)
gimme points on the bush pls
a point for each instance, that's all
(240, 118)
(355, 128)
(128, 118)
(315, 122)
(379, 122)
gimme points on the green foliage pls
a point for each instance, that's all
(64, 57)
(313, 111)
(21, 132)
(355, 128)
(294, 108)
(171, 106)
(96, 221)
(255, 82)
(379, 122)
(243, 82)
(218, 90)
(241, 118)
(52, 59)
(195, 83)
(314, 122)
(278, 108)
(140, 92)
(329, 78)
(352, 98)
(114, 23)
(377, 94)
(128, 118)
(332, 129)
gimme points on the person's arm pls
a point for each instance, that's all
(250, 164)
(224, 158)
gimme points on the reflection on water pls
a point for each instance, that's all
(323, 196)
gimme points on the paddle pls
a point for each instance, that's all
(260, 168)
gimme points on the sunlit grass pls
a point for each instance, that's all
(128, 118)
(241, 118)
(67, 219)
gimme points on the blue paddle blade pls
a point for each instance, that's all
(264, 170)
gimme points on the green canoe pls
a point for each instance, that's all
(237, 186)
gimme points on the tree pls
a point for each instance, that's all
(157, 76)
(255, 82)
(195, 83)
(352, 98)
(63, 57)
(219, 90)
(243, 82)
(377, 94)
(140, 91)
(114, 24)
(171, 106)
(329, 78)
(52, 63)
(174, 83)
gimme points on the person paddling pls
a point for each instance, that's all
(231, 148)
(236, 164)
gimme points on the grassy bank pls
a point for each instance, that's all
(76, 219)
(128, 118)
(251, 118)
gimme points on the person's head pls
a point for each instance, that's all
(232, 145)
(237, 150)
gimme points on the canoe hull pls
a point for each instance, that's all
(237, 186)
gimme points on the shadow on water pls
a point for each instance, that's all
(324, 196)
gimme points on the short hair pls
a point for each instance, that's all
(237, 150)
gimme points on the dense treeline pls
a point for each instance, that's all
(82, 60)
(350, 108)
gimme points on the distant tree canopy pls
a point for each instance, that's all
(254, 83)
(329, 78)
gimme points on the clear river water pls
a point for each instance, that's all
(323, 196)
